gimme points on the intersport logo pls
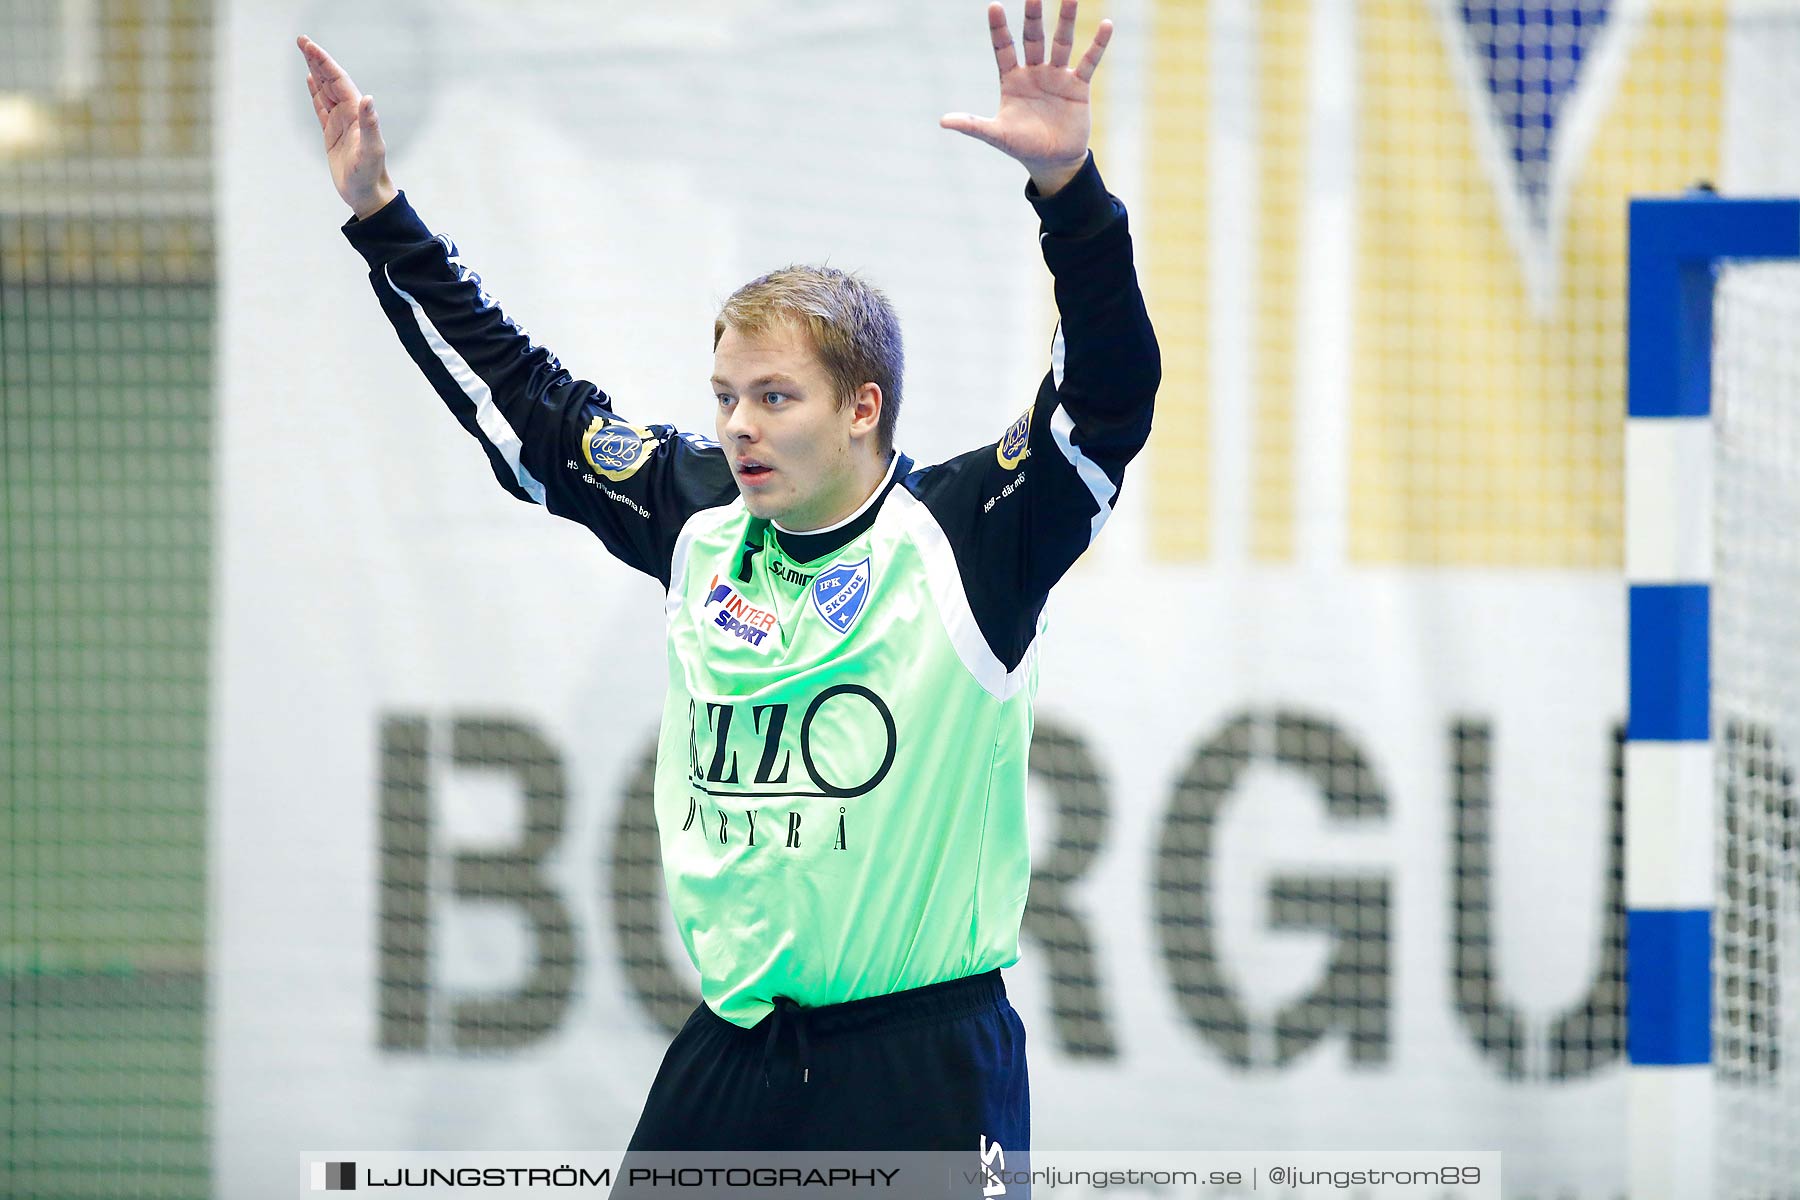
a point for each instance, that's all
(738, 617)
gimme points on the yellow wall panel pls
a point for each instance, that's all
(1174, 268)
(1283, 45)
(1487, 430)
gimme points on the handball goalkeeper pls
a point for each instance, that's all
(852, 637)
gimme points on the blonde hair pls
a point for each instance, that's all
(852, 325)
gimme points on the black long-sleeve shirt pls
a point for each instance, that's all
(1016, 512)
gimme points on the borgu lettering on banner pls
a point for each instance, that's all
(1347, 906)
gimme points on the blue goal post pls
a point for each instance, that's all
(1677, 246)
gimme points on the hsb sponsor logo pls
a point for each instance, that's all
(615, 450)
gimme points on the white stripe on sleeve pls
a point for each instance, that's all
(952, 602)
(488, 417)
(1062, 428)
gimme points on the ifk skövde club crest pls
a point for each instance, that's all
(840, 592)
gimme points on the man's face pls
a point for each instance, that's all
(791, 445)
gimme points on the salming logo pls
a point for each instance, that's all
(786, 572)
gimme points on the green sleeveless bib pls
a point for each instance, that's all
(840, 785)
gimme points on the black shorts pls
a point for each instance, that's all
(934, 1068)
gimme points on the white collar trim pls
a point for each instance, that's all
(893, 461)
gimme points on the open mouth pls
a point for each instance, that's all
(753, 470)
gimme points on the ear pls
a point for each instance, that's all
(865, 410)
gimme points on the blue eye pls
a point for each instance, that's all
(774, 397)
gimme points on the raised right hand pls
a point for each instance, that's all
(353, 145)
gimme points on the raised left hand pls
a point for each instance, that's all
(1044, 118)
